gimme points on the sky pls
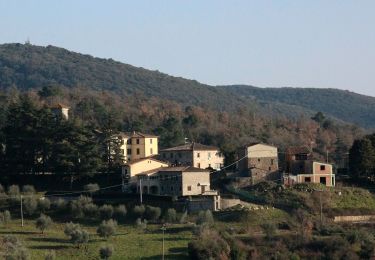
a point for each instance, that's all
(316, 43)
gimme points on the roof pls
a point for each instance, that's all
(145, 159)
(182, 169)
(174, 169)
(298, 150)
(139, 134)
(253, 144)
(191, 147)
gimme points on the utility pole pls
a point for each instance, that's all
(140, 190)
(163, 228)
(21, 213)
(327, 156)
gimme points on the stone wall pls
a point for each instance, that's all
(363, 218)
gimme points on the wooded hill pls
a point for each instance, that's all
(109, 96)
(27, 67)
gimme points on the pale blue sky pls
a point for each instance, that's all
(264, 43)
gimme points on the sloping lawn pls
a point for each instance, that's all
(128, 243)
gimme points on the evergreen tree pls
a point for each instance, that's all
(362, 158)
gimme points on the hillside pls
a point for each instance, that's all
(28, 67)
(344, 105)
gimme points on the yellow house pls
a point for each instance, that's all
(137, 145)
(140, 166)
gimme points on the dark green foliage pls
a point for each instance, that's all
(30, 205)
(77, 235)
(5, 217)
(106, 211)
(152, 213)
(362, 158)
(44, 204)
(107, 228)
(106, 251)
(43, 222)
(77, 206)
(91, 188)
(120, 212)
(209, 245)
(170, 216)
(269, 229)
(138, 211)
(28, 189)
(205, 217)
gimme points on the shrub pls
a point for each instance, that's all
(76, 234)
(13, 248)
(106, 211)
(170, 216)
(120, 212)
(28, 189)
(209, 245)
(106, 251)
(205, 217)
(183, 218)
(269, 229)
(107, 228)
(77, 206)
(14, 193)
(5, 217)
(30, 205)
(91, 210)
(44, 204)
(50, 255)
(43, 222)
(59, 205)
(152, 213)
(91, 188)
(138, 211)
(141, 224)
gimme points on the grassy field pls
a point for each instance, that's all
(128, 243)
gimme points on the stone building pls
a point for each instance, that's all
(60, 111)
(302, 168)
(193, 154)
(259, 162)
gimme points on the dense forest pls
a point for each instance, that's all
(106, 97)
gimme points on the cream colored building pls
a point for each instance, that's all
(137, 145)
(176, 181)
(136, 167)
(61, 111)
(194, 154)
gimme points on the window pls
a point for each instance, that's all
(198, 155)
(272, 161)
(307, 179)
(171, 188)
(198, 165)
(151, 141)
(129, 141)
(323, 180)
(322, 167)
(129, 151)
(151, 152)
(189, 188)
(258, 159)
(138, 151)
(137, 141)
(270, 168)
